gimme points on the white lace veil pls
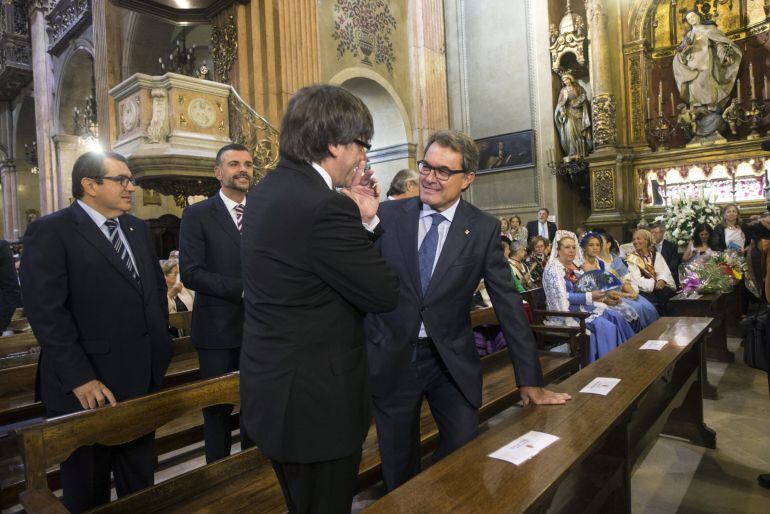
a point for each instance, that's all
(554, 258)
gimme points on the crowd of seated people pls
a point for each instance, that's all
(644, 272)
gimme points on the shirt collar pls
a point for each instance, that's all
(324, 174)
(95, 215)
(230, 204)
(449, 213)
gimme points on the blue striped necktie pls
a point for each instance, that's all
(120, 248)
(427, 251)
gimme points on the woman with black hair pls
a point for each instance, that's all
(699, 247)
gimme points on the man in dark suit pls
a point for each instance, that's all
(541, 226)
(9, 285)
(210, 265)
(441, 247)
(667, 249)
(310, 274)
(96, 300)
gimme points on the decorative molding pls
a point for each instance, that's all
(603, 111)
(636, 98)
(15, 50)
(224, 48)
(365, 27)
(603, 189)
(66, 20)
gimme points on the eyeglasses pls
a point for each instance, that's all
(123, 180)
(363, 144)
(442, 172)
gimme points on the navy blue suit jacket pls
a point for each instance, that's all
(91, 318)
(210, 265)
(471, 252)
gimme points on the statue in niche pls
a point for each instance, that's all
(685, 119)
(705, 68)
(572, 118)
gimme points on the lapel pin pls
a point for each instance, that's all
(131, 229)
(467, 231)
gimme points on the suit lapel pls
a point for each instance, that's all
(225, 220)
(459, 234)
(93, 234)
(406, 227)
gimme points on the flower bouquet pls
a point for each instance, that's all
(705, 277)
(680, 219)
(597, 280)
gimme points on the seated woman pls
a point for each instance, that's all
(518, 234)
(536, 260)
(699, 246)
(607, 328)
(593, 244)
(520, 269)
(504, 226)
(730, 234)
(506, 244)
(179, 298)
(649, 272)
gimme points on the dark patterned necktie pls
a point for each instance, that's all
(120, 248)
(427, 251)
(239, 216)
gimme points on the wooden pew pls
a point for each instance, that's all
(713, 305)
(246, 479)
(600, 438)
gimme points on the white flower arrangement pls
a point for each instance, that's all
(684, 213)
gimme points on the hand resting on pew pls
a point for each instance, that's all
(542, 396)
(94, 394)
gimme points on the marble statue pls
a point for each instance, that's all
(572, 118)
(705, 65)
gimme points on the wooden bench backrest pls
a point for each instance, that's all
(483, 316)
(17, 343)
(49, 443)
(180, 320)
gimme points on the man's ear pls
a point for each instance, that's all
(89, 186)
(468, 180)
(334, 150)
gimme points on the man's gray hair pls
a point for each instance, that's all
(399, 182)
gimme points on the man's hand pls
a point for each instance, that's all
(364, 190)
(94, 394)
(542, 396)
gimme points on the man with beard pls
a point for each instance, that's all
(210, 265)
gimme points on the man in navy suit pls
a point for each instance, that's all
(9, 285)
(441, 247)
(210, 265)
(96, 300)
(541, 226)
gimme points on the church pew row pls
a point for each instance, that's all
(247, 474)
(601, 438)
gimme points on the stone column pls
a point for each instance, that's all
(10, 200)
(43, 83)
(107, 50)
(603, 105)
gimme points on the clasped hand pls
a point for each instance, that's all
(364, 190)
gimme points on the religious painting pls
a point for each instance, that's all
(505, 152)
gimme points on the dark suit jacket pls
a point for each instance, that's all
(210, 265)
(91, 318)
(310, 274)
(471, 252)
(9, 285)
(670, 254)
(533, 229)
(718, 241)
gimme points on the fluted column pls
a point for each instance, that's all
(603, 104)
(428, 60)
(42, 77)
(107, 52)
(10, 200)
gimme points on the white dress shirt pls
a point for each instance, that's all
(543, 229)
(423, 227)
(734, 235)
(230, 206)
(99, 219)
(328, 179)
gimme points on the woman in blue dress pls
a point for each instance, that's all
(608, 329)
(594, 245)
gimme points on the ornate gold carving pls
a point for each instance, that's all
(603, 189)
(255, 133)
(568, 38)
(182, 119)
(603, 114)
(636, 98)
(224, 48)
(180, 99)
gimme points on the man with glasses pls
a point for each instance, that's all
(310, 274)
(441, 247)
(95, 297)
(210, 265)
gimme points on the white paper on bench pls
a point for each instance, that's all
(600, 385)
(654, 344)
(524, 448)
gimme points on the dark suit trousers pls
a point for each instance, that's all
(217, 428)
(85, 474)
(398, 416)
(319, 487)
